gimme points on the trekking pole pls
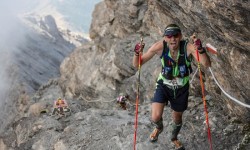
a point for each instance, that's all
(138, 93)
(204, 101)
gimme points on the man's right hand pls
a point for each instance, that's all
(139, 48)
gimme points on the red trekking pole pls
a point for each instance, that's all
(204, 101)
(138, 92)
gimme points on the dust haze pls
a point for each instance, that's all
(11, 35)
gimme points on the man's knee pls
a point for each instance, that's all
(157, 111)
(156, 117)
(177, 117)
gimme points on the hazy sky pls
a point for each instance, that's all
(9, 23)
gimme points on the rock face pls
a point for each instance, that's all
(117, 26)
(94, 74)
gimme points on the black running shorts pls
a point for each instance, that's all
(178, 98)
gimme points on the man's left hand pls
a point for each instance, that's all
(197, 44)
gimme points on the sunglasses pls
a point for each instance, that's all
(173, 35)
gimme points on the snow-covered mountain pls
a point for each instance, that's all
(70, 15)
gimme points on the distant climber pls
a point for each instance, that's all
(121, 100)
(60, 107)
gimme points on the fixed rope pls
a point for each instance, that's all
(194, 75)
(95, 101)
(232, 98)
(213, 50)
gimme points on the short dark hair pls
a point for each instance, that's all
(172, 25)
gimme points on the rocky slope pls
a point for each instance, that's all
(95, 73)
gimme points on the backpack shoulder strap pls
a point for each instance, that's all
(165, 49)
(183, 53)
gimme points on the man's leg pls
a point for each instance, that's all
(177, 124)
(156, 118)
(176, 127)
